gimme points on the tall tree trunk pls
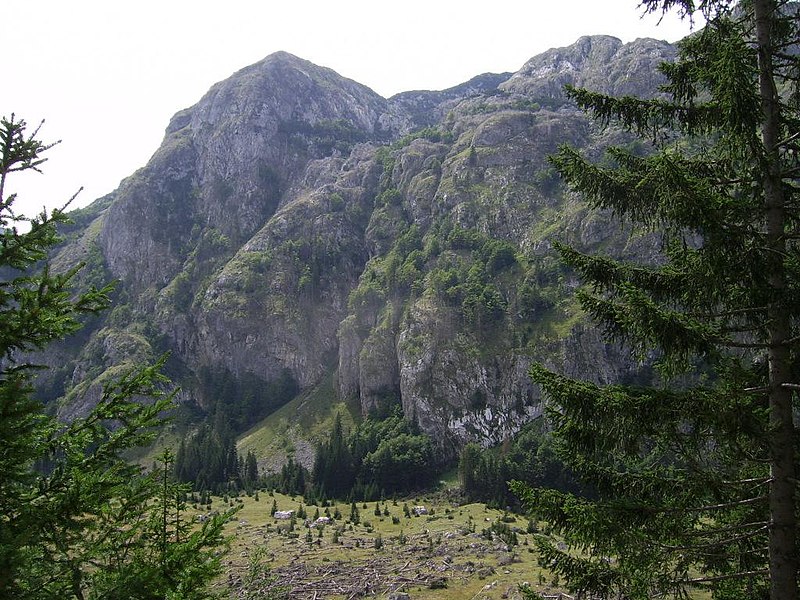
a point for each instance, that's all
(783, 563)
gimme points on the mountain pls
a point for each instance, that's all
(296, 226)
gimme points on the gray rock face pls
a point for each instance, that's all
(293, 220)
(600, 63)
(458, 393)
(278, 302)
(425, 108)
(227, 162)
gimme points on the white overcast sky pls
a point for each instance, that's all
(107, 75)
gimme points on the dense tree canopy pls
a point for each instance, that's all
(379, 457)
(530, 458)
(696, 476)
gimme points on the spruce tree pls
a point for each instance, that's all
(467, 467)
(696, 477)
(76, 519)
(334, 473)
(251, 470)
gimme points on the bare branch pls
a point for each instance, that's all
(759, 572)
(713, 543)
(712, 507)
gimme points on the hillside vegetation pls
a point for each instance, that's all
(298, 236)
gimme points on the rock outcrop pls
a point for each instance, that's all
(294, 221)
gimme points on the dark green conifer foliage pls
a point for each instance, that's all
(208, 458)
(697, 478)
(250, 474)
(529, 458)
(292, 478)
(85, 524)
(334, 472)
(379, 456)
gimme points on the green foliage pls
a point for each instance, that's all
(337, 202)
(292, 479)
(325, 136)
(433, 134)
(400, 463)
(386, 158)
(355, 516)
(503, 531)
(381, 456)
(528, 593)
(258, 582)
(179, 556)
(696, 479)
(525, 105)
(334, 470)
(390, 197)
(207, 457)
(244, 400)
(370, 294)
(531, 458)
(465, 269)
(465, 239)
(76, 519)
(473, 279)
(250, 473)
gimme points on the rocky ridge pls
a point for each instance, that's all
(295, 222)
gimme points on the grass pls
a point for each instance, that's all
(296, 428)
(441, 555)
(444, 555)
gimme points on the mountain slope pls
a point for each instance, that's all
(294, 223)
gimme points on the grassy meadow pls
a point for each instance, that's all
(449, 553)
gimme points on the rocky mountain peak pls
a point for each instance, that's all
(283, 86)
(601, 62)
(229, 159)
(294, 224)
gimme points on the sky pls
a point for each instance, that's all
(107, 75)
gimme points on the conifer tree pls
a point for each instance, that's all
(334, 472)
(467, 466)
(697, 476)
(77, 520)
(251, 470)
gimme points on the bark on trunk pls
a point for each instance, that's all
(783, 562)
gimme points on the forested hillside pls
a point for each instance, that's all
(294, 225)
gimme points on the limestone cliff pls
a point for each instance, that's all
(294, 221)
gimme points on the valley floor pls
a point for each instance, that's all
(454, 552)
(448, 553)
